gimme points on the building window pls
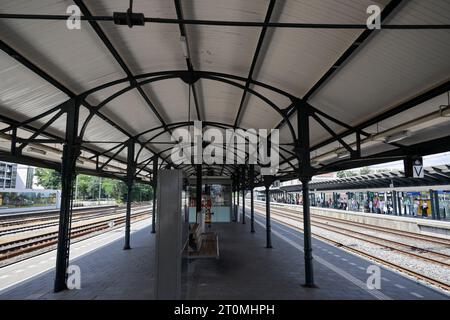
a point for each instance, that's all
(8, 174)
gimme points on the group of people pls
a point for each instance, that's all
(375, 205)
(379, 206)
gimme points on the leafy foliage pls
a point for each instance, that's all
(48, 179)
(353, 173)
(90, 187)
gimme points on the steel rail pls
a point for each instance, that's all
(382, 261)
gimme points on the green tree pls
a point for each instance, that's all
(83, 186)
(346, 174)
(88, 186)
(48, 179)
(142, 192)
(94, 183)
(110, 188)
(365, 170)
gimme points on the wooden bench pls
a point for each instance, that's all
(202, 245)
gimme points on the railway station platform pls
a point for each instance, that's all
(245, 270)
(402, 223)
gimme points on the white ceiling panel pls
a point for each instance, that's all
(171, 98)
(228, 50)
(230, 10)
(99, 96)
(297, 58)
(23, 94)
(221, 101)
(131, 112)
(76, 58)
(99, 130)
(392, 67)
(223, 49)
(153, 47)
(258, 114)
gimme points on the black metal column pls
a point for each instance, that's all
(233, 218)
(233, 197)
(243, 195)
(399, 203)
(436, 205)
(198, 192)
(305, 175)
(131, 170)
(433, 207)
(268, 226)
(233, 202)
(394, 202)
(71, 151)
(237, 197)
(307, 242)
(236, 204)
(14, 142)
(406, 210)
(154, 184)
(252, 204)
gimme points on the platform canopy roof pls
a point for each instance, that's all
(436, 177)
(231, 64)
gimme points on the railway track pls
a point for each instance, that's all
(438, 258)
(46, 240)
(425, 238)
(31, 225)
(412, 250)
(11, 221)
(388, 231)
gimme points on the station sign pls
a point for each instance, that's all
(414, 167)
(418, 171)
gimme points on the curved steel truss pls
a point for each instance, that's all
(136, 157)
(295, 153)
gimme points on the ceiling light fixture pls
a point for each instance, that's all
(184, 47)
(397, 136)
(37, 150)
(342, 154)
(445, 111)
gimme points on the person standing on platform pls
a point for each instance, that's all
(407, 205)
(382, 206)
(376, 206)
(416, 207)
(424, 209)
